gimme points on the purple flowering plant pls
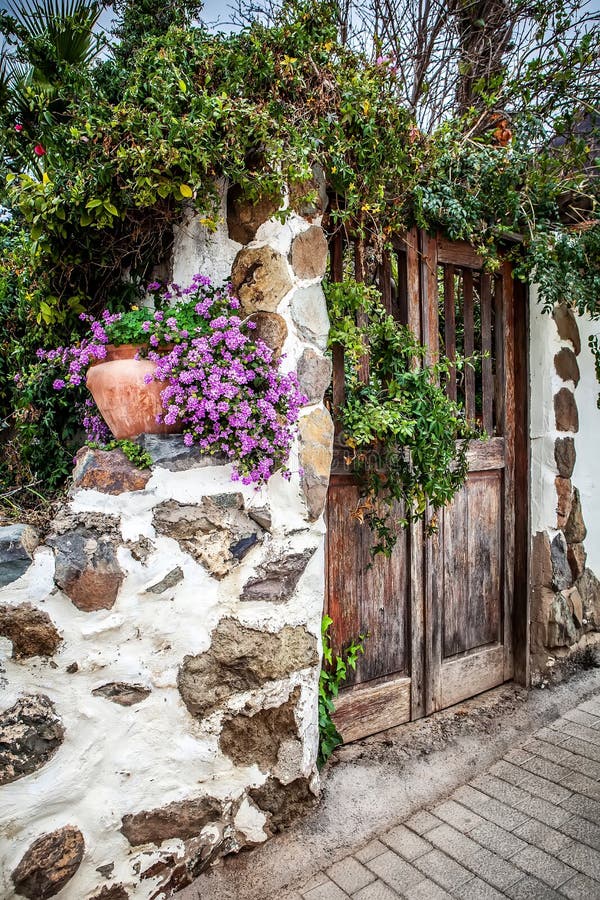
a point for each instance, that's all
(222, 384)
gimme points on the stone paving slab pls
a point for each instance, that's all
(527, 829)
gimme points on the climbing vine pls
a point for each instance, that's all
(333, 674)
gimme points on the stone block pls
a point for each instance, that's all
(561, 570)
(260, 279)
(567, 326)
(242, 659)
(31, 631)
(244, 218)
(216, 532)
(316, 189)
(316, 454)
(310, 253)
(17, 545)
(87, 569)
(314, 375)
(170, 452)
(562, 630)
(565, 411)
(564, 494)
(270, 328)
(577, 558)
(541, 560)
(256, 739)
(275, 581)
(30, 735)
(309, 312)
(122, 693)
(112, 892)
(182, 819)
(588, 587)
(564, 455)
(108, 471)
(575, 530)
(283, 803)
(49, 863)
(565, 363)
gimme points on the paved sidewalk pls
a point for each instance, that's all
(527, 829)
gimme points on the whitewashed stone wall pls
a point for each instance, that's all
(160, 656)
(565, 488)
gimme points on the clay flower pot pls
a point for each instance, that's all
(127, 404)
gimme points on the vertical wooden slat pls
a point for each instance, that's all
(521, 595)
(434, 585)
(499, 355)
(429, 296)
(413, 311)
(509, 463)
(416, 596)
(385, 282)
(487, 383)
(450, 327)
(469, 341)
(361, 317)
(400, 311)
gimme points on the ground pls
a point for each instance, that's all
(497, 797)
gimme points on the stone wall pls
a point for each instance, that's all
(160, 649)
(565, 608)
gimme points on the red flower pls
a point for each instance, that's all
(18, 128)
(39, 150)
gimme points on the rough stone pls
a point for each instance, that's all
(112, 892)
(87, 569)
(575, 530)
(577, 558)
(565, 363)
(316, 454)
(262, 516)
(30, 735)
(561, 571)
(314, 375)
(170, 452)
(270, 328)
(17, 544)
(309, 312)
(310, 253)
(122, 693)
(31, 631)
(283, 803)
(562, 631)
(541, 560)
(589, 589)
(575, 601)
(210, 531)
(245, 218)
(256, 739)
(564, 455)
(315, 189)
(241, 659)
(169, 581)
(567, 326)
(181, 819)
(564, 495)
(276, 581)
(49, 863)
(565, 411)
(108, 471)
(260, 279)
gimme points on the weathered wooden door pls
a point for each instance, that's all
(439, 610)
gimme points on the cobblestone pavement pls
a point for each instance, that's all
(529, 827)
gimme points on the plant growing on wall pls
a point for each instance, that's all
(334, 673)
(406, 439)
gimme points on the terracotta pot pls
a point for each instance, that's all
(127, 404)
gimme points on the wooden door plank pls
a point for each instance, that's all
(469, 341)
(417, 619)
(483, 612)
(455, 565)
(499, 354)
(509, 463)
(459, 253)
(429, 296)
(450, 326)
(433, 619)
(413, 318)
(485, 455)
(368, 709)
(385, 282)
(471, 675)
(487, 381)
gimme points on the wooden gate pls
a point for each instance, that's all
(441, 610)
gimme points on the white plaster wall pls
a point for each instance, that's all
(586, 475)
